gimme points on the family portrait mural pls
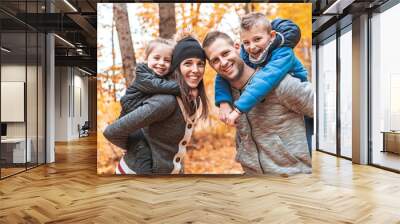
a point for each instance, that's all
(204, 88)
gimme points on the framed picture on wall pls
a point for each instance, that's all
(12, 101)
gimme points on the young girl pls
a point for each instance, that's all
(151, 78)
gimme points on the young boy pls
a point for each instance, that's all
(268, 47)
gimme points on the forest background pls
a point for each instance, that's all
(123, 31)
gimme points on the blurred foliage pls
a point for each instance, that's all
(212, 148)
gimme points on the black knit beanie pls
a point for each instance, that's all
(184, 49)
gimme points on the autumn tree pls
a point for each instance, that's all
(125, 41)
(166, 13)
(303, 20)
(248, 8)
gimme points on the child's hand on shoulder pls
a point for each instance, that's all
(232, 117)
(224, 110)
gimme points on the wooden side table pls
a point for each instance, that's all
(391, 141)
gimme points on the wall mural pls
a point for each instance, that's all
(203, 88)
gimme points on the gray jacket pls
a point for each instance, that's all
(271, 137)
(164, 128)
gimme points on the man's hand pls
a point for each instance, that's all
(224, 110)
(232, 117)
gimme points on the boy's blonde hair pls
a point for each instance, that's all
(153, 43)
(248, 21)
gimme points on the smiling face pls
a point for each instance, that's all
(192, 70)
(225, 60)
(159, 60)
(256, 40)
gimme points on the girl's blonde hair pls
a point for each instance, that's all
(153, 43)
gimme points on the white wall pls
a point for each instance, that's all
(71, 94)
(61, 103)
(80, 100)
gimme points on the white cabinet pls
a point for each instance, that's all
(15, 148)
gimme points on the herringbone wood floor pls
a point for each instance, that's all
(70, 191)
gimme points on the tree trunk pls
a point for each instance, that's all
(125, 41)
(248, 8)
(195, 15)
(167, 25)
(113, 92)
